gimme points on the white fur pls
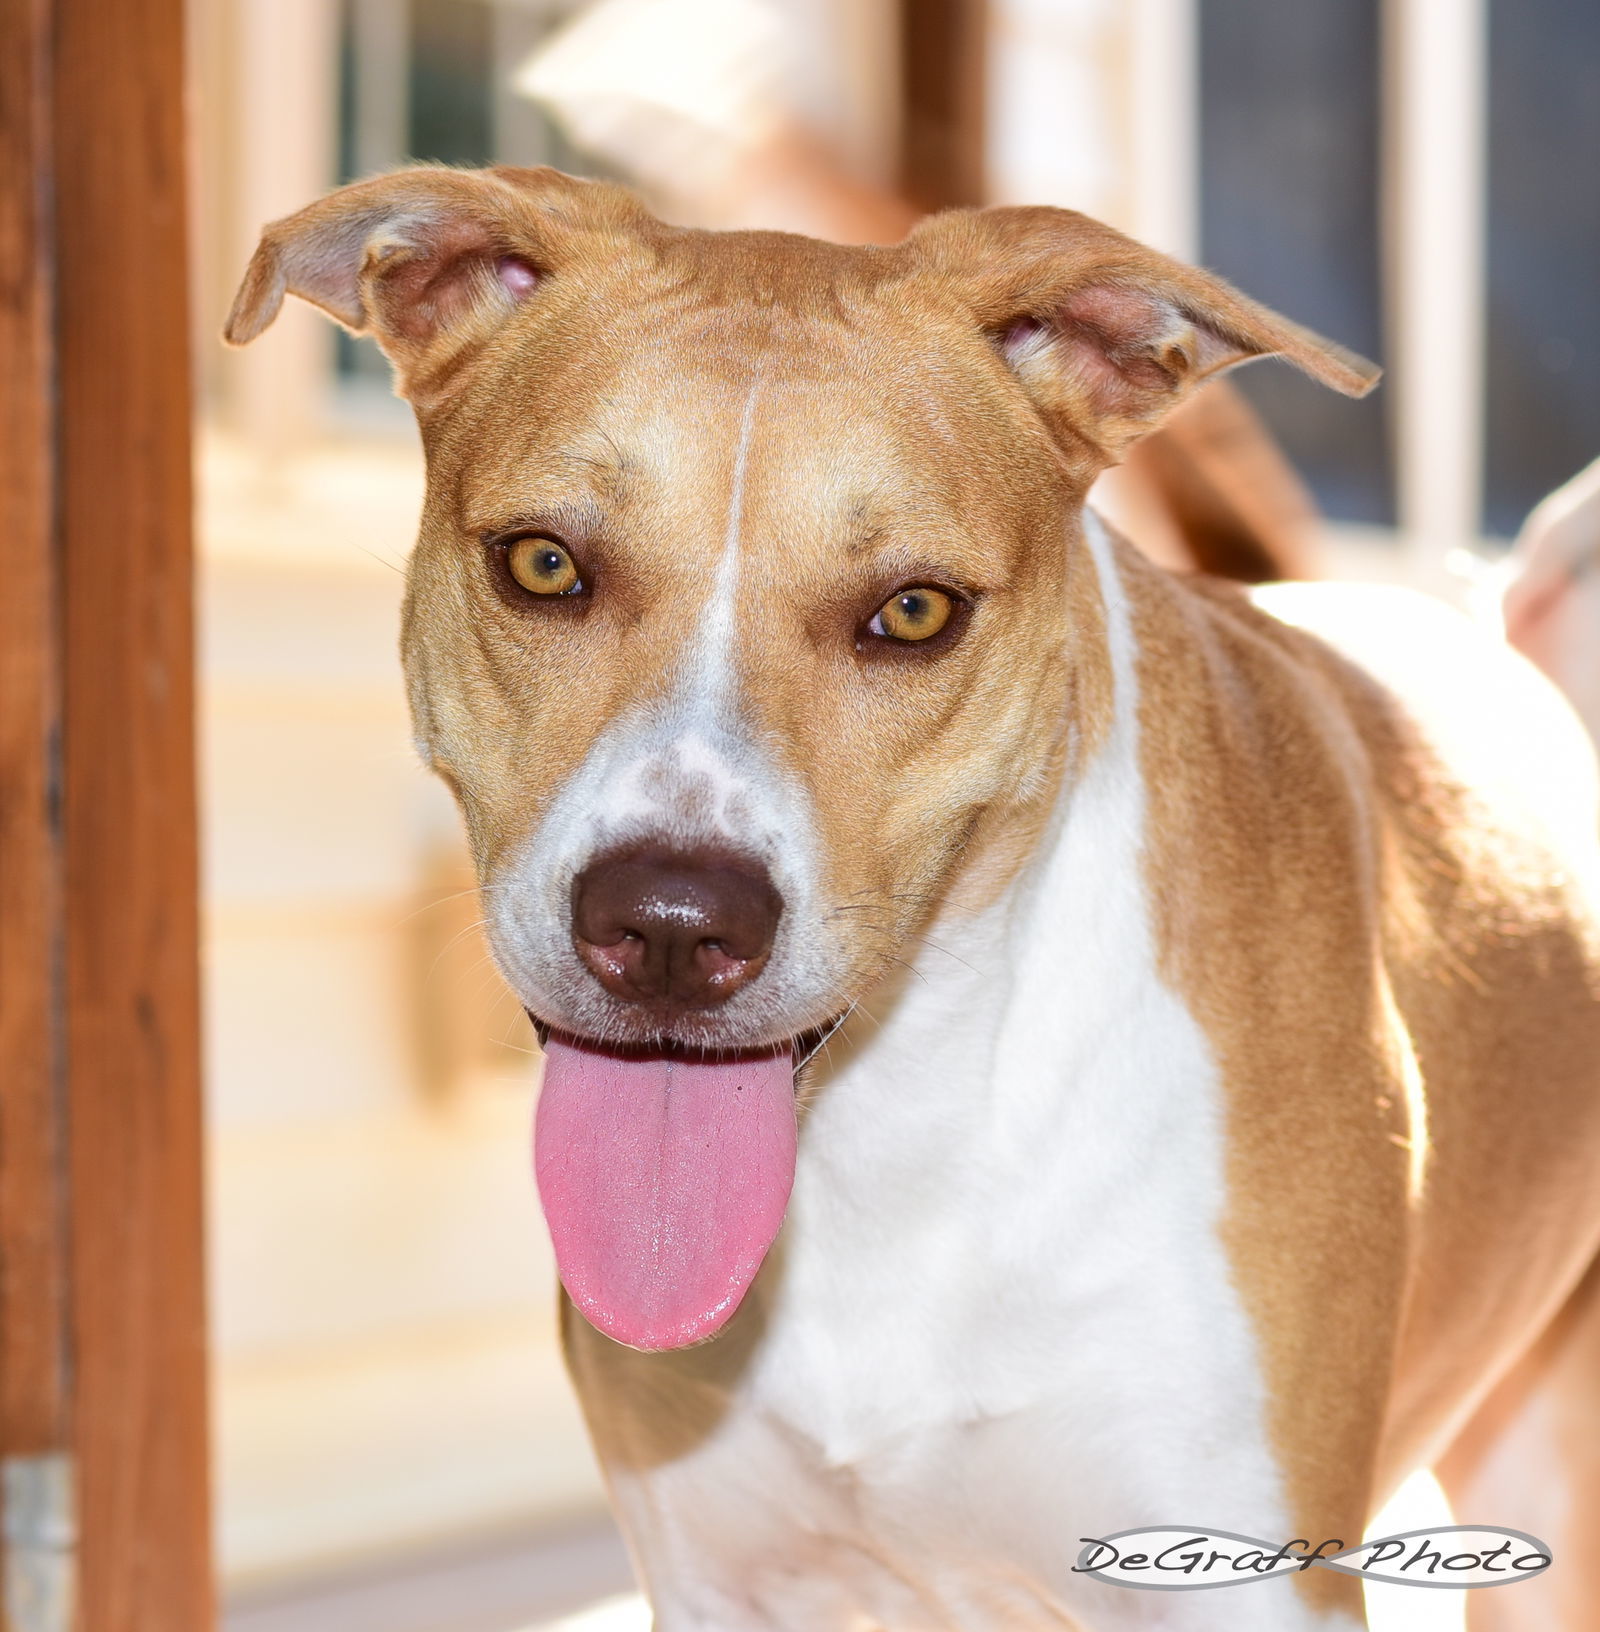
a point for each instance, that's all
(999, 1318)
(714, 669)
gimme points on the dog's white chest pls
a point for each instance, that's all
(1000, 1318)
(1000, 1321)
(1010, 1325)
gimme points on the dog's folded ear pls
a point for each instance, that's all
(429, 261)
(1105, 335)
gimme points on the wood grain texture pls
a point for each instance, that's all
(130, 995)
(32, 1233)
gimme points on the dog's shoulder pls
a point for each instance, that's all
(1492, 725)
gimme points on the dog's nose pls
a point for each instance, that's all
(676, 929)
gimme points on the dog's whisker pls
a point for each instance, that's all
(382, 560)
(444, 901)
(934, 946)
(903, 964)
(459, 936)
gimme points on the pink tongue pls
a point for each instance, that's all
(664, 1183)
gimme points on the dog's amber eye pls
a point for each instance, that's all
(542, 566)
(913, 614)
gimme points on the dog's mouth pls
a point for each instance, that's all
(664, 1172)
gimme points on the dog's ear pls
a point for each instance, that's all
(428, 261)
(1105, 335)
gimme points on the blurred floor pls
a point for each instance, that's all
(515, 1584)
(626, 1614)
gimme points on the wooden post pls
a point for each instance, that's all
(943, 64)
(102, 1344)
(36, 1561)
(31, 1240)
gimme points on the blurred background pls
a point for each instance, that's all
(397, 1444)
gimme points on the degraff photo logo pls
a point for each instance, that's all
(1172, 1558)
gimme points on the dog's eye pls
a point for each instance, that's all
(913, 614)
(542, 567)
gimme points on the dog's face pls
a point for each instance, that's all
(743, 551)
(791, 618)
(749, 620)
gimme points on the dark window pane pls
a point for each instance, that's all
(347, 167)
(1543, 420)
(452, 104)
(1289, 210)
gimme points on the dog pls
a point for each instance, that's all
(1194, 1000)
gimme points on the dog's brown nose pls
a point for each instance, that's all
(676, 929)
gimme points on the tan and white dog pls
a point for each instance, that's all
(1205, 1125)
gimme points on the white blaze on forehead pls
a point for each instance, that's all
(710, 673)
(695, 756)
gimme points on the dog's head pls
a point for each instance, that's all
(748, 617)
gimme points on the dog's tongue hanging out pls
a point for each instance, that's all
(664, 1183)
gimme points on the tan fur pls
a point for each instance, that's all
(1401, 996)
(1358, 912)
